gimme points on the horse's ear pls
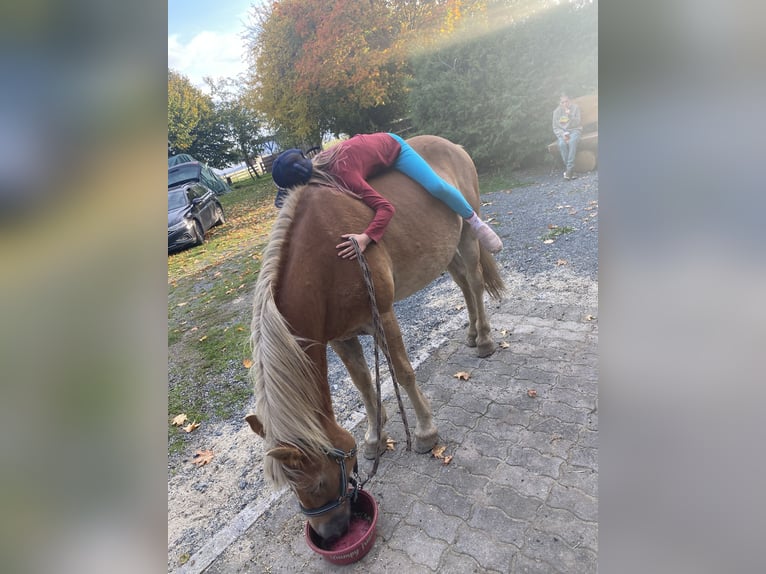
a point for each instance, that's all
(287, 455)
(255, 424)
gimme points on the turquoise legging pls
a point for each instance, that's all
(414, 166)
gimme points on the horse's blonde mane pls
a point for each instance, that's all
(287, 396)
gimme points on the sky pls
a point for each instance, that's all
(205, 38)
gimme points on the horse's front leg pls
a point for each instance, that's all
(351, 353)
(426, 434)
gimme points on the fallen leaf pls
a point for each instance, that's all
(504, 344)
(486, 203)
(590, 318)
(561, 262)
(458, 307)
(504, 332)
(531, 393)
(191, 426)
(202, 338)
(438, 451)
(548, 241)
(390, 444)
(240, 328)
(247, 363)
(182, 304)
(179, 419)
(489, 220)
(193, 329)
(217, 274)
(447, 459)
(551, 226)
(202, 457)
(462, 375)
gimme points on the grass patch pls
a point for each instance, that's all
(208, 331)
(219, 346)
(556, 231)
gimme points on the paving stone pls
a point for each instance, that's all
(575, 500)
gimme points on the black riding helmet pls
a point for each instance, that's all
(291, 168)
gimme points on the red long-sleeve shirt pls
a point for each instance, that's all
(361, 157)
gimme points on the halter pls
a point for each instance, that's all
(340, 457)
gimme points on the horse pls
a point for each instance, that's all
(307, 297)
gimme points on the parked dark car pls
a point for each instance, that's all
(194, 171)
(192, 210)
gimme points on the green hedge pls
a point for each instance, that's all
(495, 93)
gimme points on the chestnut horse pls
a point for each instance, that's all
(307, 297)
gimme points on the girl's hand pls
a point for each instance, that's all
(346, 249)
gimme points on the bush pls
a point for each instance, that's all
(495, 93)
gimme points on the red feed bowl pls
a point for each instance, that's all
(356, 543)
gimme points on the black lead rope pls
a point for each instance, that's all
(380, 341)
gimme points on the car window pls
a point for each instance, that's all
(196, 191)
(177, 199)
(182, 173)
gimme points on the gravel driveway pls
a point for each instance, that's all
(549, 228)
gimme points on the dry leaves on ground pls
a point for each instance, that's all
(202, 457)
(531, 393)
(438, 452)
(178, 420)
(390, 444)
(247, 363)
(462, 375)
(191, 427)
(504, 344)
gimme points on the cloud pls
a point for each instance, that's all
(207, 54)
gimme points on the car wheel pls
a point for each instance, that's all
(220, 218)
(199, 232)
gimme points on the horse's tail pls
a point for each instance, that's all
(493, 283)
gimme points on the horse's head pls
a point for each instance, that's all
(324, 483)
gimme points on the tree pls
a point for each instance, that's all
(187, 106)
(195, 124)
(243, 125)
(328, 66)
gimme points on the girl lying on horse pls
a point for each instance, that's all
(350, 163)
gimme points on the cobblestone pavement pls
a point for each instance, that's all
(520, 494)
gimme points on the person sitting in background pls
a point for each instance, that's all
(351, 162)
(567, 128)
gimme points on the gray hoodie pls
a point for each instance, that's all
(565, 122)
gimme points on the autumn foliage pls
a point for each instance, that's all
(339, 65)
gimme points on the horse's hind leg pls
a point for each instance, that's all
(351, 353)
(426, 434)
(466, 272)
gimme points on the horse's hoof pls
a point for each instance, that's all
(425, 443)
(369, 449)
(486, 349)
